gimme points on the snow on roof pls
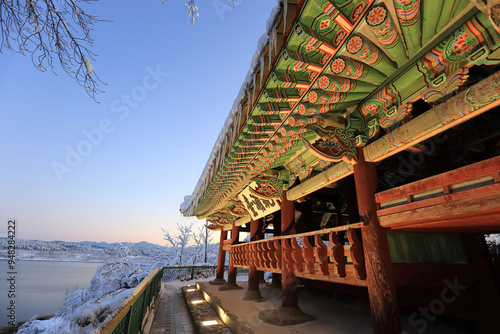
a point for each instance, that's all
(190, 202)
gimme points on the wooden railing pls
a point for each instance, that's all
(308, 255)
(467, 198)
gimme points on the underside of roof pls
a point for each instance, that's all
(335, 75)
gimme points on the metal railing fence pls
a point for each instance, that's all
(128, 319)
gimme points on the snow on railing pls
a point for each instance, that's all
(128, 318)
(186, 273)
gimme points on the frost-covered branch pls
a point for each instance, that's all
(48, 30)
(192, 10)
(179, 241)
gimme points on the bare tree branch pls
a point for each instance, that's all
(58, 29)
(52, 29)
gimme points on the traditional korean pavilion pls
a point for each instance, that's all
(366, 140)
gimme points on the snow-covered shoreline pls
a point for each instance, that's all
(50, 260)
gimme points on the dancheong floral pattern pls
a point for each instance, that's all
(354, 44)
(323, 82)
(338, 65)
(376, 16)
(313, 96)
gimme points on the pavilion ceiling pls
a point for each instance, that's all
(346, 72)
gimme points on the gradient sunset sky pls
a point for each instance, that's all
(169, 89)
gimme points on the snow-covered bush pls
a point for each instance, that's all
(85, 309)
(493, 242)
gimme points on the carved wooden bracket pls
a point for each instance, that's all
(335, 144)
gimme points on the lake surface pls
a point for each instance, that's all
(41, 286)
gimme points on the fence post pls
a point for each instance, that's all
(192, 272)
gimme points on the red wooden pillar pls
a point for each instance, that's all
(485, 294)
(231, 275)
(289, 312)
(219, 278)
(276, 233)
(288, 284)
(253, 292)
(379, 276)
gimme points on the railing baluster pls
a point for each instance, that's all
(251, 255)
(308, 255)
(287, 253)
(321, 253)
(297, 257)
(265, 255)
(356, 252)
(270, 254)
(277, 253)
(258, 255)
(337, 254)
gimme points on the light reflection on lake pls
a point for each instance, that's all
(41, 286)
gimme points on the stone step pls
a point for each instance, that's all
(205, 318)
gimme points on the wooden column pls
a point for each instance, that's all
(352, 203)
(289, 312)
(276, 233)
(288, 283)
(485, 294)
(231, 275)
(219, 278)
(253, 292)
(379, 276)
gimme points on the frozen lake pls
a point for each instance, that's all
(41, 286)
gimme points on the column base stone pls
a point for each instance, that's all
(254, 295)
(217, 281)
(285, 316)
(229, 286)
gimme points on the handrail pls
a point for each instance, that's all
(308, 234)
(335, 261)
(184, 267)
(470, 172)
(122, 321)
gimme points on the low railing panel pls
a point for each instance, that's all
(466, 198)
(308, 255)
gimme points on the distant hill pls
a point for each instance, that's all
(91, 251)
(86, 251)
(144, 244)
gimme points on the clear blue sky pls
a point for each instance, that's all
(152, 151)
